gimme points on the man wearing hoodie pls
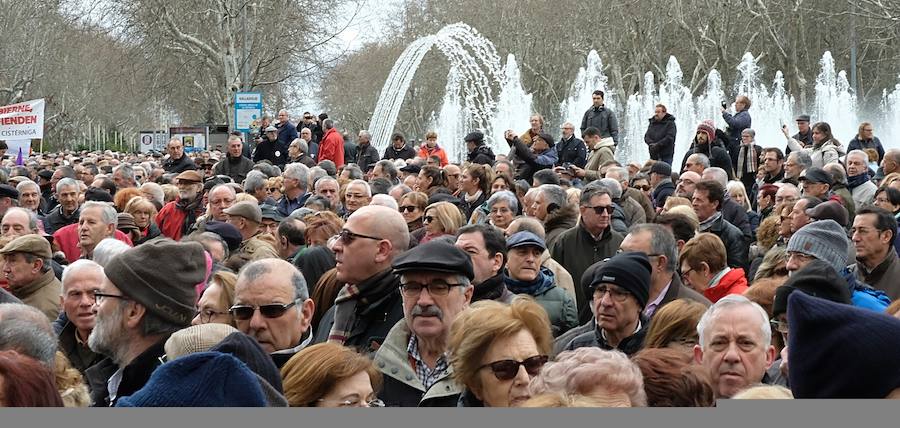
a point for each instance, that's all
(660, 135)
(478, 152)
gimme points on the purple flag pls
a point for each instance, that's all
(19, 160)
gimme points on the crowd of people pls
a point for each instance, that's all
(300, 268)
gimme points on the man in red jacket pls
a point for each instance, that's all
(332, 145)
(176, 218)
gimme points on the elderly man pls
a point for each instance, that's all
(123, 176)
(296, 181)
(661, 182)
(687, 182)
(658, 243)
(858, 181)
(398, 149)
(387, 170)
(79, 281)
(453, 173)
(291, 237)
(570, 150)
(18, 222)
(27, 269)
(137, 308)
(591, 241)
(733, 212)
(619, 290)
(235, 164)
(366, 155)
(329, 188)
(707, 203)
(621, 175)
(696, 163)
(24, 329)
(298, 152)
(531, 224)
(177, 161)
(873, 234)
(30, 196)
(551, 206)
(256, 185)
(357, 195)
(435, 286)
(272, 305)
(176, 218)
(787, 193)
(287, 132)
(255, 244)
(97, 222)
(486, 247)
(66, 213)
(796, 163)
(369, 303)
(219, 198)
(627, 212)
(269, 148)
(735, 344)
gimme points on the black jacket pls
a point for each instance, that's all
(80, 356)
(468, 208)
(604, 120)
(180, 165)
(661, 192)
(571, 151)
(406, 152)
(482, 155)
(351, 151)
(134, 376)
(366, 157)
(716, 152)
(660, 137)
(735, 214)
(236, 168)
(629, 345)
(736, 247)
(271, 151)
(373, 322)
(57, 220)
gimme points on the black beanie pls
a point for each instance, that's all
(630, 271)
(818, 279)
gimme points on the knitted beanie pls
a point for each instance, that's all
(708, 128)
(824, 240)
(841, 351)
(161, 276)
(630, 271)
(816, 279)
(206, 379)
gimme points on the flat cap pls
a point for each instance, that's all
(815, 174)
(247, 210)
(7, 191)
(46, 174)
(829, 210)
(190, 175)
(271, 128)
(270, 212)
(435, 256)
(411, 168)
(661, 168)
(525, 239)
(226, 231)
(33, 244)
(802, 118)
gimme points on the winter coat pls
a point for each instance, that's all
(642, 199)
(66, 239)
(601, 153)
(402, 386)
(438, 151)
(257, 247)
(716, 152)
(172, 220)
(468, 208)
(332, 148)
(366, 157)
(885, 276)
(405, 153)
(42, 293)
(532, 162)
(237, 169)
(563, 279)
(863, 194)
(81, 356)
(733, 282)
(660, 137)
(270, 151)
(559, 221)
(604, 120)
(305, 159)
(57, 220)
(287, 133)
(618, 221)
(560, 307)
(805, 139)
(874, 143)
(576, 250)
(178, 166)
(134, 376)
(373, 322)
(571, 151)
(629, 345)
(481, 155)
(350, 152)
(662, 191)
(735, 214)
(737, 123)
(634, 213)
(736, 246)
(822, 154)
(493, 288)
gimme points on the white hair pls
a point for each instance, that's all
(107, 249)
(385, 201)
(728, 302)
(365, 185)
(80, 265)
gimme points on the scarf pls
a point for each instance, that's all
(354, 296)
(490, 289)
(472, 199)
(857, 180)
(743, 156)
(191, 212)
(540, 285)
(706, 224)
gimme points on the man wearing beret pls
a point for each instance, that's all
(177, 217)
(138, 306)
(255, 244)
(435, 285)
(620, 288)
(27, 268)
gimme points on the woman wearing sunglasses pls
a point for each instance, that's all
(496, 350)
(440, 219)
(412, 207)
(330, 375)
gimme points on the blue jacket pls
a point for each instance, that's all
(737, 124)
(864, 296)
(287, 132)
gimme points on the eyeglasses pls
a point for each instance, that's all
(408, 208)
(274, 310)
(685, 274)
(98, 296)
(508, 369)
(207, 315)
(599, 209)
(644, 187)
(355, 402)
(616, 294)
(502, 210)
(427, 219)
(780, 326)
(435, 288)
(348, 237)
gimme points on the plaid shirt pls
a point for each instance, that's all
(427, 375)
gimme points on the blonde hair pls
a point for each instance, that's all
(676, 201)
(556, 400)
(70, 383)
(676, 320)
(140, 204)
(245, 197)
(479, 326)
(686, 211)
(170, 191)
(311, 373)
(764, 392)
(736, 188)
(448, 215)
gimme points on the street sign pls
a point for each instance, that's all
(247, 111)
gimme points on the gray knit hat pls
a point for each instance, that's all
(825, 240)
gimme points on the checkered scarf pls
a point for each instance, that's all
(354, 296)
(747, 152)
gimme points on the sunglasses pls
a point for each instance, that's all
(407, 208)
(245, 312)
(348, 236)
(508, 369)
(599, 209)
(427, 219)
(644, 188)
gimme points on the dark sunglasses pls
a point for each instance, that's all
(644, 187)
(427, 219)
(245, 312)
(348, 236)
(508, 369)
(599, 209)
(407, 208)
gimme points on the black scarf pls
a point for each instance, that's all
(491, 289)
(190, 209)
(857, 180)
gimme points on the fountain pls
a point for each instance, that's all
(513, 104)
(835, 101)
(589, 78)
(890, 105)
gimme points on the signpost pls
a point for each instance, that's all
(247, 111)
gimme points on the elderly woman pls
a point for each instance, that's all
(502, 206)
(440, 219)
(154, 193)
(144, 213)
(607, 377)
(412, 207)
(273, 187)
(738, 193)
(497, 349)
(675, 326)
(217, 299)
(330, 375)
